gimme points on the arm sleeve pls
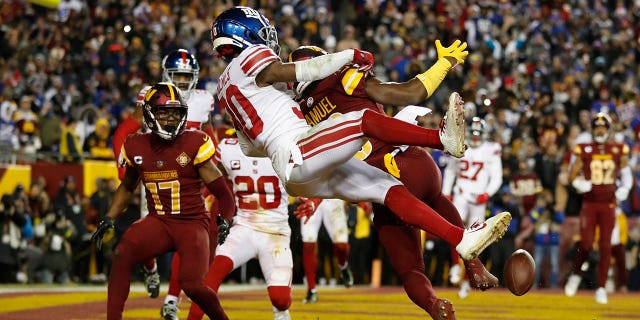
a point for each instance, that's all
(126, 128)
(226, 201)
(322, 66)
(495, 179)
(449, 177)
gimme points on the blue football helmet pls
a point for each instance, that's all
(181, 62)
(240, 27)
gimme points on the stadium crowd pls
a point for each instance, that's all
(537, 72)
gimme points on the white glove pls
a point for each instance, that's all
(622, 193)
(581, 184)
(410, 112)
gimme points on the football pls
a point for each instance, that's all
(519, 272)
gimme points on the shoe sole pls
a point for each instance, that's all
(498, 230)
(453, 121)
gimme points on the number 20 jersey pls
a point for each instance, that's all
(169, 171)
(261, 198)
(601, 166)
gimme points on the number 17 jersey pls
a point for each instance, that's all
(169, 171)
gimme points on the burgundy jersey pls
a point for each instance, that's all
(169, 171)
(340, 92)
(601, 166)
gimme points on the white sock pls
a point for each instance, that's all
(170, 298)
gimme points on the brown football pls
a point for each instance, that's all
(519, 272)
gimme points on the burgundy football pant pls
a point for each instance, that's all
(151, 237)
(403, 244)
(604, 216)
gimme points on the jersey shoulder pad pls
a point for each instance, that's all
(351, 79)
(256, 58)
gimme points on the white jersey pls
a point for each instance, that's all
(260, 196)
(200, 104)
(479, 171)
(269, 119)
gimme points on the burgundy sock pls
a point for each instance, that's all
(390, 130)
(310, 263)
(414, 212)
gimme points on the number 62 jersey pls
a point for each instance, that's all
(169, 171)
(601, 166)
(261, 198)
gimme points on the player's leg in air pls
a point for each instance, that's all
(334, 173)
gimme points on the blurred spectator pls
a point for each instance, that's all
(546, 237)
(27, 124)
(56, 248)
(98, 143)
(69, 202)
(99, 203)
(502, 250)
(11, 223)
(70, 142)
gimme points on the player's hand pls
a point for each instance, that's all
(224, 226)
(622, 193)
(364, 60)
(306, 208)
(105, 227)
(482, 198)
(457, 50)
(581, 185)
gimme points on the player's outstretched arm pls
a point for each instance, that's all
(313, 69)
(423, 85)
(217, 185)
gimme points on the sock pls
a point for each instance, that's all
(222, 266)
(341, 251)
(310, 263)
(393, 131)
(398, 199)
(174, 283)
(171, 298)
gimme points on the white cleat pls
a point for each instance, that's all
(601, 296)
(452, 131)
(571, 287)
(455, 274)
(465, 287)
(280, 315)
(479, 236)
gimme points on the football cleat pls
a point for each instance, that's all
(452, 129)
(601, 296)
(152, 283)
(479, 236)
(347, 277)
(312, 297)
(169, 311)
(465, 287)
(571, 287)
(455, 274)
(280, 315)
(479, 277)
(442, 310)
